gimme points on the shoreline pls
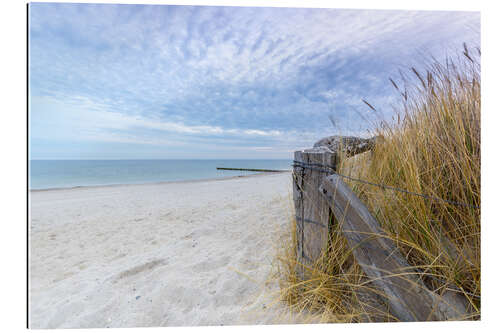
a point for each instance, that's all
(78, 187)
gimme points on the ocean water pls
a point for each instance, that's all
(45, 174)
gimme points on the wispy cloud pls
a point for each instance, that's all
(170, 74)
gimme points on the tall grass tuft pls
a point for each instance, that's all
(433, 147)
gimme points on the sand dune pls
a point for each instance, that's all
(171, 254)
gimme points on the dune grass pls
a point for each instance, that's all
(432, 146)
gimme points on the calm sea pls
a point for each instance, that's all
(46, 174)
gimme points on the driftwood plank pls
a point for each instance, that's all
(407, 296)
(312, 213)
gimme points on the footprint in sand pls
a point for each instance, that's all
(207, 265)
(140, 269)
(188, 236)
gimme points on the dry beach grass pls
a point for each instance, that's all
(431, 147)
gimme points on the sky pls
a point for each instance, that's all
(198, 82)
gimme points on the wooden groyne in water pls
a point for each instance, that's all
(255, 170)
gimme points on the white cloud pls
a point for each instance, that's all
(86, 119)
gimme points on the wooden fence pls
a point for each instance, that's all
(322, 199)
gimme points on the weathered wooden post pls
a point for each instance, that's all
(312, 212)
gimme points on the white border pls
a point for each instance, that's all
(13, 170)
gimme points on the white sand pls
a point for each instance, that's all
(171, 254)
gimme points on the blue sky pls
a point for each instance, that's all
(149, 81)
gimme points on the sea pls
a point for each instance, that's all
(49, 174)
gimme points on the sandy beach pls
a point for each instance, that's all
(169, 254)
